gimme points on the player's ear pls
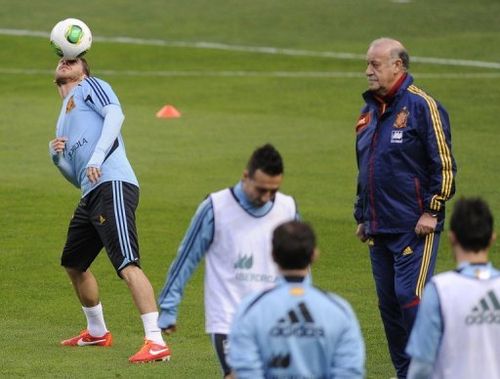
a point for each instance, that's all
(492, 239)
(246, 175)
(452, 238)
(315, 255)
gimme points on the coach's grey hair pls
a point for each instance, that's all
(397, 50)
(404, 56)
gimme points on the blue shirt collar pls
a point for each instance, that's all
(463, 265)
(247, 205)
(283, 280)
(474, 269)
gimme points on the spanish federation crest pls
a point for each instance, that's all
(70, 105)
(401, 118)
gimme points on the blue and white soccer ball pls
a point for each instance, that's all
(71, 38)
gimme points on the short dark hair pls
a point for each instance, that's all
(267, 159)
(293, 245)
(472, 223)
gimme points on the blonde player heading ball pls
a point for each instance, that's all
(89, 152)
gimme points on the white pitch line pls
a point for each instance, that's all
(255, 74)
(257, 49)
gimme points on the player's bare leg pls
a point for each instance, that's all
(85, 285)
(141, 289)
(154, 348)
(87, 291)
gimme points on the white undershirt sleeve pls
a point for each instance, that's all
(113, 120)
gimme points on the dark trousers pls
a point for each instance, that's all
(220, 342)
(401, 264)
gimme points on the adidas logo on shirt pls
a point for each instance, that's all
(298, 322)
(487, 311)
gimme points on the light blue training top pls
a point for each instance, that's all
(295, 330)
(91, 118)
(427, 331)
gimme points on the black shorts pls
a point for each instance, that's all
(104, 218)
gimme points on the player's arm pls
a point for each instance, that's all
(358, 210)
(113, 120)
(442, 168)
(56, 148)
(425, 338)
(419, 369)
(244, 355)
(349, 353)
(192, 249)
(358, 205)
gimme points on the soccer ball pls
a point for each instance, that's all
(71, 38)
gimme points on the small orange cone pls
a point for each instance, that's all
(168, 111)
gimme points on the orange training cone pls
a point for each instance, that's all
(168, 111)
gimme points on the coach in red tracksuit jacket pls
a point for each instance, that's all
(406, 174)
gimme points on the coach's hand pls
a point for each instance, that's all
(360, 233)
(426, 224)
(169, 329)
(93, 173)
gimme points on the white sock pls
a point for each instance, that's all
(95, 320)
(151, 329)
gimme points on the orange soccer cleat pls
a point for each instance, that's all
(151, 352)
(85, 339)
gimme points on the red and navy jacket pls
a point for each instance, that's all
(405, 163)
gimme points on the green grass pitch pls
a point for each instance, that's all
(231, 101)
